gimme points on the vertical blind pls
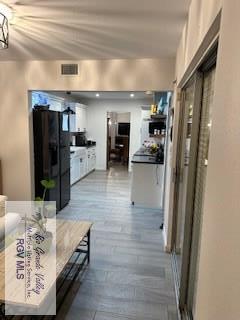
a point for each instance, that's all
(201, 172)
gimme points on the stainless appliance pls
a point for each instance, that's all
(80, 140)
(52, 154)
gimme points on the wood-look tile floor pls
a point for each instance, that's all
(130, 276)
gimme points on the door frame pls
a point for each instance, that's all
(129, 137)
(207, 68)
(191, 179)
(197, 79)
(107, 148)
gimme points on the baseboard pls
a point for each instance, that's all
(167, 246)
(82, 177)
(167, 249)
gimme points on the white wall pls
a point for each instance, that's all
(17, 77)
(201, 16)
(97, 125)
(123, 117)
(202, 13)
(218, 286)
(218, 289)
(145, 116)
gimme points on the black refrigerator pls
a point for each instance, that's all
(52, 154)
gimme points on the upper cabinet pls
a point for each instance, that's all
(81, 117)
(78, 121)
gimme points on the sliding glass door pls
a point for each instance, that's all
(191, 170)
(182, 169)
(186, 156)
(201, 173)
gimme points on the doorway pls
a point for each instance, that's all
(192, 159)
(118, 138)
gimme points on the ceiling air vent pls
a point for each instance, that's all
(69, 69)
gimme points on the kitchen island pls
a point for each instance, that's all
(147, 179)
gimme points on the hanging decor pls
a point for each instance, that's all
(3, 31)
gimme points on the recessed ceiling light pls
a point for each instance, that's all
(132, 95)
(97, 95)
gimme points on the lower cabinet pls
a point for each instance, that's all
(83, 166)
(82, 163)
(153, 177)
(91, 159)
(75, 170)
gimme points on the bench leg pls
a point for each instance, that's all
(2, 311)
(89, 245)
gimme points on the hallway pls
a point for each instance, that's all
(130, 276)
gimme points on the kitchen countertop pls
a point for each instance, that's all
(90, 146)
(143, 155)
(75, 148)
(143, 152)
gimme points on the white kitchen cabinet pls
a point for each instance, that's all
(91, 159)
(78, 121)
(78, 160)
(72, 122)
(83, 161)
(81, 117)
(148, 177)
(88, 160)
(75, 170)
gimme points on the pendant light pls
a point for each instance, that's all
(69, 111)
(6, 17)
(3, 31)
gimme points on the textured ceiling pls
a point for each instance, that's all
(95, 29)
(112, 95)
(104, 95)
